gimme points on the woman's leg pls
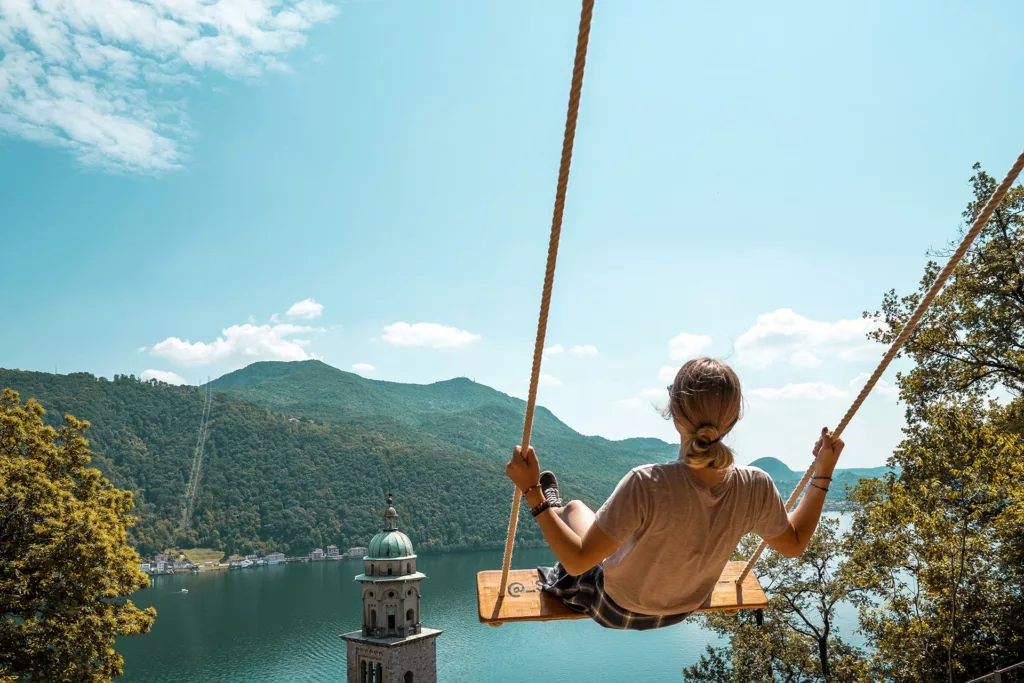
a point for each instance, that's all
(577, 516)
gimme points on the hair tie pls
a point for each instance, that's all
(707, 444)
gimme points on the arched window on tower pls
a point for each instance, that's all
(410, 617)
(389, 569)
(380, 673)
(408, 568)
(364, 677)
(373, 618)
(408, 677)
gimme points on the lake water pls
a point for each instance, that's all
(281, 624)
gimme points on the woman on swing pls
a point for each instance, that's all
(654, 551)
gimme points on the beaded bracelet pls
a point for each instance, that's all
(540, 508)
(819, 487)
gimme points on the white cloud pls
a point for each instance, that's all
(431, 335)
(881, 386)
(1001, 395)
(823, 390)
(631, 402)
(164, 376)
(307, 308)
(363, 368)
(583, 350)
(549, 381)
(105, 78)
(803, 391)
(785, 335)
(240, 344)
(553, 350)
(655, 394)
(648, 397)
(668, 373)
(686, 346)
(804, 359)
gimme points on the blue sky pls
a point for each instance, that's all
(748, 179)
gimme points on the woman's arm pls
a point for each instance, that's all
(576, 554)
(804, 519)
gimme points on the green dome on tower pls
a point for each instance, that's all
(390, 543)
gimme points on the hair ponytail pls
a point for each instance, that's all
(705, 404)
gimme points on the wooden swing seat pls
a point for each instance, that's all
(525, 601)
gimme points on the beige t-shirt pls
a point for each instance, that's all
(675, 534)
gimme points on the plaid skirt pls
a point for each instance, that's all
(585, 593)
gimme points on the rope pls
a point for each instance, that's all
(582, 39)
(908, 329)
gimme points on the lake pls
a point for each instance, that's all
(281, 624)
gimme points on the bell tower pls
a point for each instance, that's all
(392, 646)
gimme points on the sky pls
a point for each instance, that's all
(187, 187)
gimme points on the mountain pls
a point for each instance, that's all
(299, 455)
(866, 472)
(456, 411)
(776, 469)
(786, 479)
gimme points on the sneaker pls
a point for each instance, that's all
(549, 487)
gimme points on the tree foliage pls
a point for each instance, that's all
(971, 339)
(931, 548)
(65, 564)
(798, 641)
(939, 548)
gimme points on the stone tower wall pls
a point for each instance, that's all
(418, 656)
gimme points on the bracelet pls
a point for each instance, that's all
(817, 477)
(540, 508)
(819, 487)
(535, 486)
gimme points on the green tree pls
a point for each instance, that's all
(797, 641)
(971, 339)
(940, 549)
(930, 548)
(65, 565)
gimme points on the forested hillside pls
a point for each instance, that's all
(299, 455)
(270, 482)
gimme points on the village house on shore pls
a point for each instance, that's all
(163, 563)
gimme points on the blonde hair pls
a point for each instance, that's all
(705, 402)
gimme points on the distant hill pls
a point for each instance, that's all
(457, 411)
(300, 454)
(776, 469)
(317, 391)
(780, 472)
